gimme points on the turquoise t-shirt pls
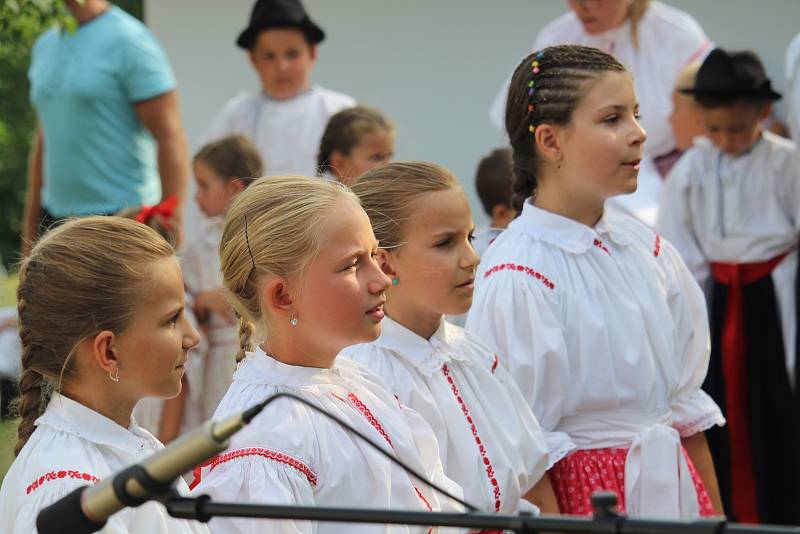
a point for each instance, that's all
(98, 158)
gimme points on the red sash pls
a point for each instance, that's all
(744, 502)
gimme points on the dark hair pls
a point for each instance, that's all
(234, 156)
(345, 130)
(493, 179)
(549, 96)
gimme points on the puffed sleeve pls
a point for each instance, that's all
(259, 475)
(693, 410)
(534, 448)
(512, 313)
(675, 218)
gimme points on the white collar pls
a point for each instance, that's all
(66, 415)
(428, 355)
(565, 233)
(260, 368)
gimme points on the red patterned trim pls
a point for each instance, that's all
(657, 247)
(423, 499)
(520, 268)
(55, 475)
(269, 454)
(599, 244)
(371, 418)
(494, 363)
(490, 474)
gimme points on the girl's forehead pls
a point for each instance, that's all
(448, 207)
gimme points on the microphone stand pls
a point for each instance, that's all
(605, 521)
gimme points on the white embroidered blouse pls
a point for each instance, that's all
(605, 331)
(291, 454)
(489, 440)
(74, 446)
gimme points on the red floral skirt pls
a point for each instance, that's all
(583, 472)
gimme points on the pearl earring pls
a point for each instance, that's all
(293, 321)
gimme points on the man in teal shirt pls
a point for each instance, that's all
(109, 134)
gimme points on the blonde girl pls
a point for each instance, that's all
(298, 259)
(101, 323)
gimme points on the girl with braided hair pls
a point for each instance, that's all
(602, 325)
(101, 324)
(298, 260)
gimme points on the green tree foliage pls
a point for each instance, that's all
(21, 22)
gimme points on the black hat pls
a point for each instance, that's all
(279, 14)
(732, 74)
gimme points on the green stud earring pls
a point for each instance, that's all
(395, 281)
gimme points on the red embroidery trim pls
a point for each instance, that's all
(371, 418)
(494, 363)
(520, 268)
(423, 499)
(55, 475)
(599, 244)
(366, 412)
(657, 249)
(486, 462)
(270, 454)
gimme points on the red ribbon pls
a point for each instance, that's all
(744, 502)
(164, 209)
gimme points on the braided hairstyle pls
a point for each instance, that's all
(272, 228)
(548, 95)
(81, 278)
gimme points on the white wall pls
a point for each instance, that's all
(434, 66)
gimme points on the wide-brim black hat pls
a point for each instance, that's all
(279, 14)
(732, 74)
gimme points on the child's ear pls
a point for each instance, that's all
(337, 162)
(766, 112)
(548, 142)
(236, 184)
(503, 213)
(104, 351)
(276, 298)
(312, 52)
(385, 261)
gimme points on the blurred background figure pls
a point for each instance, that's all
(109, 135)
(355, 141)
(287, 116)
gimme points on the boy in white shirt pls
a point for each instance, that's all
(286, 118)
(731, 206)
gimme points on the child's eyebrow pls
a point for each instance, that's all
(174, 311)
(619, 107)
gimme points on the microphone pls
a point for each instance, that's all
(87, 508)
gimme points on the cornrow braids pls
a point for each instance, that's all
(546, 87)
